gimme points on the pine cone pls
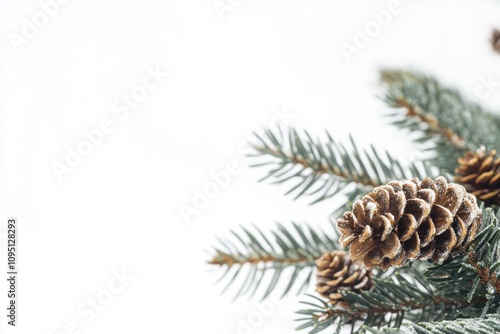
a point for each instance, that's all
(408, 220)
(336, 270)
(495, 40)
(480, 175)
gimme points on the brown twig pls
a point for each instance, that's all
(321, 168)
(240, 259)
(432, 122)
(484, 273)
(403, 307)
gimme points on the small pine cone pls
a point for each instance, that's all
(335, 270)
(495, 40)
(408, 220)
(480, 175)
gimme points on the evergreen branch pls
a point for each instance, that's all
(472, 280)
(487, 325)
(296, 250)
(433, 126)
(324, 169)
(475, 275)
(444, 118)
(393, 300)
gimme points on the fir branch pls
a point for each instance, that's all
(324, 169)
(433, 126)
(487, 325)
(295, 249)
(443, 117)
(485, 275)
(475, 275)
(400, 298)
(471, 281)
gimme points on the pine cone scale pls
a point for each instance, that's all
(474, 228)
(427, 251)
(427, 195)
(467, 179)
(442, 218)
(427, 232)
(488, 196)
(484, 178)
(390, 247)
(398, 259)
(460, 230)
(351, 279)
(495, 180)
(412, 247)
(479, 173)
(486, 165)
(336, 271)
(467, 212)
(418, 208)
(360, 249)
(376, 256)
(365, 284)
(454, 197)
(341, 273)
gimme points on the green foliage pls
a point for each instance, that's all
(465, 286)
(325, 169)
(441, 116)
(459, 296)
(487, 325)
(287, 254)
(475, 275)
(404, 295)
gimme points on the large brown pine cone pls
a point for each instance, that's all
(335, 270)
(480, 175)
(408, 220)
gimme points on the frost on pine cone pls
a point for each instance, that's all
(336, 270)
(408, 220)
(480, 175)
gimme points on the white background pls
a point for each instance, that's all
(120, 207)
